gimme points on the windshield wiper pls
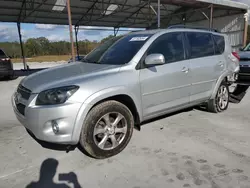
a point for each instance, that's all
(89, 61)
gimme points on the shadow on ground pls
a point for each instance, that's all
(47, 173)
(6, 78)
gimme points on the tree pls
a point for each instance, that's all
(44, 45)
(107, 38)
(33, 47)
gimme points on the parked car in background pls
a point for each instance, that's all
(244, 55)
(77, 58)
(6, 66)
(124, 82)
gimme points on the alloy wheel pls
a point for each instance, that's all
(110, 130)
(223, 97)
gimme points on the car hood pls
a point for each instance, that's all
(244, 55)
(61, 75)
(244, 58)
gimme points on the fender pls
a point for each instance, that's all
(218, 83)
(113, 91)
(95, 98)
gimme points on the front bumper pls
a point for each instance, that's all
(38, 120)
(244, 74)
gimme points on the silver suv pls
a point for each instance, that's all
(123, 82)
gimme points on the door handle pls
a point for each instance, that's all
(221, 64)
(185, 70)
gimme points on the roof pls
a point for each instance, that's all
(178, 29)
(108, 13)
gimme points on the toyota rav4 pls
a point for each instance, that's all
(123, 82)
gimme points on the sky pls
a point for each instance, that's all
(8, 31)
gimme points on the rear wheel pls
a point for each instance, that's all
(221, 100)
(107, 129)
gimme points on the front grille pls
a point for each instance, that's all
(25, 93)
(245, 69)
(21, 108)
(244, 59)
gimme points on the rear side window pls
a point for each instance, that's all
(170, 45)
(201, 44)
(219, 44)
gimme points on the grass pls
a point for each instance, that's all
(47, 58)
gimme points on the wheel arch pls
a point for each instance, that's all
(222, 78)
(119, 94)
(127, 101)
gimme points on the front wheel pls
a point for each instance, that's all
(221, 100)
(107, 129)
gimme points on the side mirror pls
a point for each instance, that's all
(155, 59)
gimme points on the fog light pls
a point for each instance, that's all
(55, 127)
(236, 77)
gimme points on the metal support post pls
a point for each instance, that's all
(76, 36)
(116, 30)
(245, 29)
(21, 44)
(159, 14)
(70, 31)
(211, 16)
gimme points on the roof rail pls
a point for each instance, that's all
(191, 27)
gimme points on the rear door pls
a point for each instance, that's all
(221, 54)
(205, 65)
(165, 86)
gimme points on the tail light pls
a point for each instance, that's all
(5, 59)
(235, 54)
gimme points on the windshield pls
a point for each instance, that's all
(118, 50)
(2, 54)
(247, 48)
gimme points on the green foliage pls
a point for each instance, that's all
(107, 38)
(42, 46)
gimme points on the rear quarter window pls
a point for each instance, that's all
(219, 44)
(201, 44)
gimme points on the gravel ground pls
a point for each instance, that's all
(193, 148)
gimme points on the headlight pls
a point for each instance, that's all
(56, 95)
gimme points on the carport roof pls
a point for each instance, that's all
(108, 13)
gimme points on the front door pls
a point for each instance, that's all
(165, 86)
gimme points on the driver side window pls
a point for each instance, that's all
(170, 45)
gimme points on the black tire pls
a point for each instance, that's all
(87, 140)
(214, 105)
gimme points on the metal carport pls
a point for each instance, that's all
(227, 16)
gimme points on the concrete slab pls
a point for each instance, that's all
(189, 149)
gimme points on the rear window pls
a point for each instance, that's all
(2, 54)
(219, 44)
(201, 44)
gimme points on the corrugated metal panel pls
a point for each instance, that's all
(129, 13)
(232, 25)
